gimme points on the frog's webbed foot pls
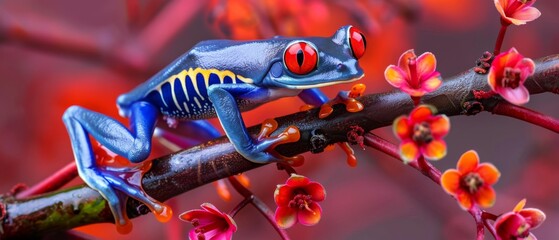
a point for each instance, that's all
(116, 179)
(316, 97)
(345, 97)
(267, 143)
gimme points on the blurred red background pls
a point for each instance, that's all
(86, 53)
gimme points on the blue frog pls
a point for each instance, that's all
(215, 78)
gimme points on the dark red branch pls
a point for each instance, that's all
(52, 183)
(180, 172)
(525, 114)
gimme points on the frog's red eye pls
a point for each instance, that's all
(357, 42)
(300, 58)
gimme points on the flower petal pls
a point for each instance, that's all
(468, 162)
(309, 218)
(213, 234)
(228, 235)
(450, 181)
(508, 224)
(401, 128)
(533, 216)
(517, 96)
(489, 173)
(192, 234)
(492, 79)
(283, 195)
(431, 83)
(404, 61)
(409, 151)
(316, 190)
(297, 180)
(464, 200)
(231, 223)
(395, 76)
(440, 125)
(527, 68)
(426, 64)
(520, 205)
(508, 58)
(485, 196)
(435, 150)
(285, 217)
(421, 113)
(526, 15)
(501, 5)
(203, 217)
(414, 92)
(211, 208)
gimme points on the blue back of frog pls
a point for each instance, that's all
(180, 89)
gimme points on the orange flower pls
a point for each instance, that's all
(507, 75)
(414, 75)
(422, 133)
(471, 182)
(517, 12)
(297, 201)
(517, 224)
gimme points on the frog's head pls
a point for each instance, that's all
(317, 62)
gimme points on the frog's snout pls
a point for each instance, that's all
(350, 67)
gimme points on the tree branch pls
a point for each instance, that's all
(180, 172)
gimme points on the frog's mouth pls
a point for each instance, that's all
(323, 84)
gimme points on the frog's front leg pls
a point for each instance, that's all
(134, 144)
(224, 99)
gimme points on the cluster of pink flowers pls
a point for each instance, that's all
(421, 132)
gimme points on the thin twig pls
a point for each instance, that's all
(259, 205)
(486, 217)
(51, 183)
(426, 169)
(500, 39)
(528, 115)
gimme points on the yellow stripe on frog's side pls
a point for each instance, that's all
(192, 73)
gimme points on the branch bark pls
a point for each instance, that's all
(180, 172)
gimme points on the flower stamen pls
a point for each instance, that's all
(472, 182)
(422, 133)
(511, 78)
(301, 201)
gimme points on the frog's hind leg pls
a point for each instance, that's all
(134, 144)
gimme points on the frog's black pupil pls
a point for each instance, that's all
(300, 57)
(364, 41)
